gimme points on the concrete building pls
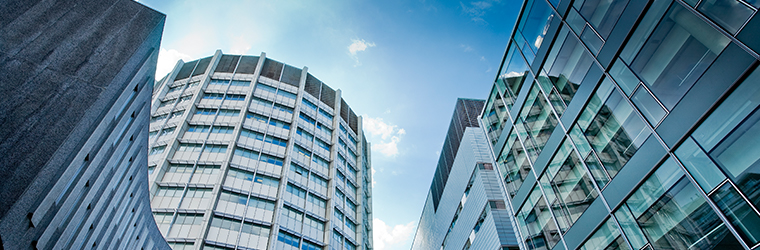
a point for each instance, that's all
(630, 124)
(465, 208)
(250, 153)
(76, 78)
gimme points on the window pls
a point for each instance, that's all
(212, 96)
(152, 134)
(286, 94)
(202, 111)
(193, 84)
(266, 88)
(250, 154)
(261, 101)
(296, 191)
(305, 245)
(240, 174)
(222, 130)
(338, 215)
(317, 201)
(325, 114)
(218, 82)
(298, 170)
(287, 238)
(271, 159)
(301, 151)
(224, 223)
(229, 112)
(166, 103)
(185, 98)
(279, 124)
(159, 118)
(283, 108)
(322, 144)
(261, 203)
(266, 180)
(198, 193)
(309, 104)
(189, 147)
(189, 219)
(340, 176)
(351, 206)
(207, 169)
(210, 148)
(319, 180)
(167, 131)
(343, 130)
(324, 128)
(320, 162)
(255, 229)
(257, 117)
(233, 197)
(307, 135)
(252, 134)
(198, 128)
(292, 213)
(180, 168)
(169, 191)
(306, 118)
(339, 195)
(177, 114)
(163, 218)
(234, 97)
(314, 223)
(276, 141)
(239, 83)
(174, 89)
(157, 150)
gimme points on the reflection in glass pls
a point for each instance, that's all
(679, 50)
(566, 66)
(512, 75)
(592, 40)
(624, 77)
(539, 121)
(739, 155)
(704, 171)
(663, 178)
(648, 106)
(602, 14)
(615, 131)
(730, 14)
(607, 237)
(513, 163)
(535, 220)
(535, 23)
(567, 186)
(630, 227)
(495, 117)
(739, 213)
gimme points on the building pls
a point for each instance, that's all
(250, 153)
(465, 208)
(630, 124)
(76, 79)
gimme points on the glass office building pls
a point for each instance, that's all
(250, 153)
(466, 206)
(626, 124)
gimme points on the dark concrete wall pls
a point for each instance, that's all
(63, 64)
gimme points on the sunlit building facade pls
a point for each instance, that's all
(250, 153)
(629, 124)
(466, 205)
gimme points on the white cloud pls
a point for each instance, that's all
(466, 48)
(167, 59)
(477, 9)
(387, 237)
(482, 58)
(385, 137)
(359, 45)
(373, 179)
(240, 45)
(356, 46)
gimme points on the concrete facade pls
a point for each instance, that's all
(471, 212)
(250, 153)
(76, 77)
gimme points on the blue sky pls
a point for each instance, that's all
(400, 64)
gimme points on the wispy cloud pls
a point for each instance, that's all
(387, 237)
(477, 9)
(356, 46)
(385, 136)
(167, 59)
(465, 48)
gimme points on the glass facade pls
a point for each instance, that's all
(619, 124)
(253, 159)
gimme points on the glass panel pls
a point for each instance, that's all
(678, 51)
(535, 23)
(513, 163)
(575, 21)
(739, 155)
(682, 219)
(567, 186)
(597, 171)
(616, 132)
(602, 14)
(645, 28)
(592, 40)
(730, 113)
(630, 227)
(624, 77)
(648, 106)
(699, 165)
(607, 237)
(495, 117)
(513, 75)
(730, 14)
(539, 121)
(663, 178)
(739, 213)
(567, 69)
(535, 218)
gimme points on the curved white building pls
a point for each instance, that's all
(250, 153)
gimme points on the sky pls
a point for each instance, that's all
(400, 64)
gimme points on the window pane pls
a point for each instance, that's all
(602, 14)
(606, 237)
(648, 106)
(699, 165)
(739, 213)
(678, 51)
(731, 14)
(535, 24)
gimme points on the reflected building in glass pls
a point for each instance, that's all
(622, 124)
(466, 206)
(250, 153)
